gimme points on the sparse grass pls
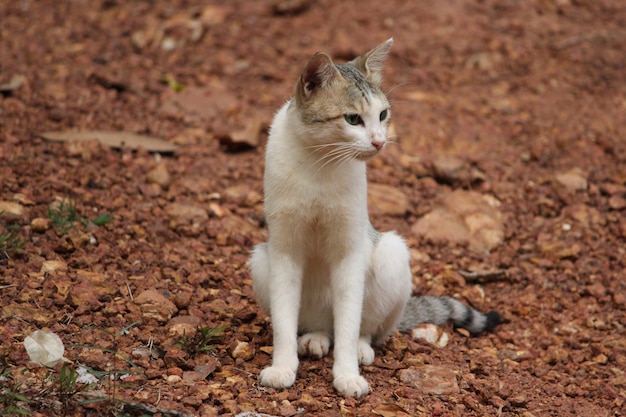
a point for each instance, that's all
(9, 242)
(65, 216)
(201, 342)
(11, 400)
(173, 84)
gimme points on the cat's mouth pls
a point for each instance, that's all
(366, 155)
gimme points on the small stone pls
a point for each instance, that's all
(216, 210)
(617, 202)
(52, 266)
(41, 224)
(242, 195)
(597, 289)
(431, 379)
(154, 305)
(464, 217)
(613, 189)
(23, 199)
(85, 297)
(246, 137)
(451, 170)
(192, 376)
(183, 326)
(182, 211)
(573, 180)
(431, 333)
(173, 379)
(11, 211)
(291, 7)
(243, 350)
(440, 226)
(160, 175)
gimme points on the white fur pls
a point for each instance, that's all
(320, 272)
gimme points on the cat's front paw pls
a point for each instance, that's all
(315, 344)
(351, 386)
(277, 377)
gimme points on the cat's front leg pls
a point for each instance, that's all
(285, 282)
(348, 290)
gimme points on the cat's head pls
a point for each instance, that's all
(343, 105)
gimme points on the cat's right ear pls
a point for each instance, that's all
(317, 74)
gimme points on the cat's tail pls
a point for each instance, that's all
(439, 310)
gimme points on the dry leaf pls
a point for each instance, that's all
(45, 348)
(113, 139)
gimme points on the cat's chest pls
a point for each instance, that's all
(309, 197)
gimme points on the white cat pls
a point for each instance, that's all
(326, 276)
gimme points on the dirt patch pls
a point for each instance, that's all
(522, 102)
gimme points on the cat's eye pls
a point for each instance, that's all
(383, 115)
(353, 119)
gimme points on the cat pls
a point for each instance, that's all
(326, 276)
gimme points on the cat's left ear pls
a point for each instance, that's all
(318, 73)
(372, 62)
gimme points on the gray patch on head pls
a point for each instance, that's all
(364, 87)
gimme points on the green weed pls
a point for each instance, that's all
(65, 216)
(201, 342)
(10, 398)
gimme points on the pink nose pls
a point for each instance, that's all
(378, 145)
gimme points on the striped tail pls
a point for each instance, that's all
(440, 310)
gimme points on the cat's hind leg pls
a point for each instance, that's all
(260, 271)
(388, 287)
(366, 353)
(316, 344)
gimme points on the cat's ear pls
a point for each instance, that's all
(318, 73)
(372, 62)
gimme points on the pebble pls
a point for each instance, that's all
(464, 217)
(52, 266)
(573, 180)
(11, 211)
(154, 305)
(40, 224)
(617, 202)
(243, 350)
(172, 379)
(183, 211)
(160, 175)
(431, 333)
(183, 325)
(431, 379)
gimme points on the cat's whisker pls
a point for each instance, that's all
(350, 155)
(392, 102)
(335, 154)
(390, 90)
(335, 158)
(324, 145)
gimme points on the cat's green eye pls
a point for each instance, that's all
(383, 115)
(353, 119)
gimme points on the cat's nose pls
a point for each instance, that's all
(378, 144)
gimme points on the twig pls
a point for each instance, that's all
(7, 286)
